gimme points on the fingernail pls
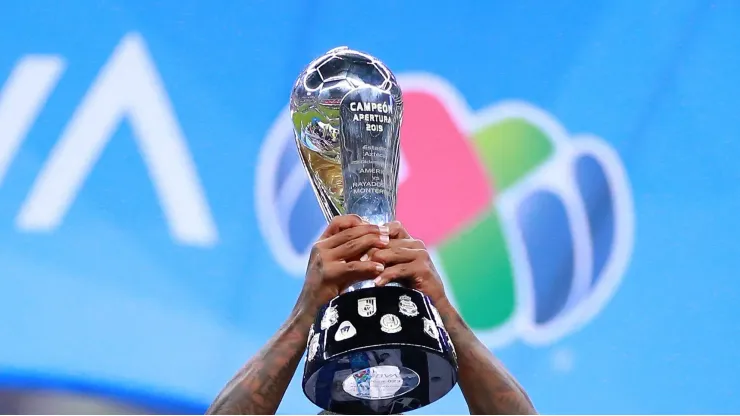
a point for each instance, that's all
(385, 238)
(384, 230)
(364, 257)
(379, 267)
(377, 281)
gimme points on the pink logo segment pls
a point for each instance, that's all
(447, 186)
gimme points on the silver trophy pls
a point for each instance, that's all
(347, 109)
(387, 352)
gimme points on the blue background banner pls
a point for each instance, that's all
(153, 228)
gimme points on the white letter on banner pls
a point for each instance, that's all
(128, 86)
(21, 99)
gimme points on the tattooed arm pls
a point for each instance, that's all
(260, 385)
(487, 386)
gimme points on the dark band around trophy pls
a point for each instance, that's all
(371, 349)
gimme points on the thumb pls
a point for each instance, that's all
(391, 273)
(355, 271)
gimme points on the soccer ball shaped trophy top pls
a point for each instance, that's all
(371, 350)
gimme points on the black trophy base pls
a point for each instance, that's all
(380, 350)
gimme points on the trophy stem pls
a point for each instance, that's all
(367, 284)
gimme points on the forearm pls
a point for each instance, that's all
(487, 386)
(258, 388)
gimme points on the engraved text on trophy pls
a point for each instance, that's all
(369, 154)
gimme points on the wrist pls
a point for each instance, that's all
(449, 315)
(302, 316)
(307, 304)
(444, 306)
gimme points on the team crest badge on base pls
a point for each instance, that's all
(310, 336)
(390, 324)
(313, 347)
(407, 306)
(366, 307)
(331, 316)
(345, 331)
(430, 328)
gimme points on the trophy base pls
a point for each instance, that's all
(378, 350)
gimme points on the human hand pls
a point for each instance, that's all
(408, 259)
(335, 260)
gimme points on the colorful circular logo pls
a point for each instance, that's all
(532, 228)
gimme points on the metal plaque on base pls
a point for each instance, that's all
(371, 350)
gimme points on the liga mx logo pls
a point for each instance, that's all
(531, 227)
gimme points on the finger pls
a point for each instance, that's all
(341, 223)
(369, 254)
(353, 271)
(353, 249)
(352, 234)
(397, 230)
(397, 272)
(407, 243)
(397, 255)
